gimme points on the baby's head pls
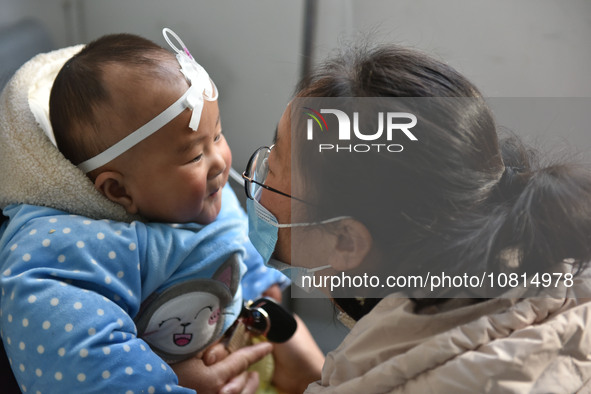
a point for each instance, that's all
(113, 87)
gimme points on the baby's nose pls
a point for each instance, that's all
(218, 166)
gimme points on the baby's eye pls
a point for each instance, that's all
(197, 158)
(217, 137)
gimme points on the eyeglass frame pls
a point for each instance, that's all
(249, 180)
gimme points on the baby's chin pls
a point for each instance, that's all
(209, 213)
(206, 216)
(211, 206)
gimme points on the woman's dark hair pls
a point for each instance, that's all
(464, 201)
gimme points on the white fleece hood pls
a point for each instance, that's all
(32, 170)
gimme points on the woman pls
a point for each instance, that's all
(340, 198)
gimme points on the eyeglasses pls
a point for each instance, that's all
(256, 173)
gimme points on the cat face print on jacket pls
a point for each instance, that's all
(187, 317)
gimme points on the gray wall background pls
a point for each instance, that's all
(253, 50)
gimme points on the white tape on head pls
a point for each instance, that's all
(201, 88)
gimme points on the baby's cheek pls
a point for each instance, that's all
(227, 156)
(198, 188)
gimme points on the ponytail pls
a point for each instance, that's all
(548, 209)
(537, 216)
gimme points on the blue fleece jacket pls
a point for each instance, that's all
(72, 286)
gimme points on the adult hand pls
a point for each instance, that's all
(298, 362)
(274, 292)
(215, 371)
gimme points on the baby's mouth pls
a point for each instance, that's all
(218, 188)
(214, 193)
(182, 339)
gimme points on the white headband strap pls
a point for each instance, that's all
(140, 134)
(202, 88)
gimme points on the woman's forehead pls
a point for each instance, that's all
(283, 135)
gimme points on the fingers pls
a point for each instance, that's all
(227, 374)
(252, 383)
(214, 354)
(252, 354)
(240, 360)
(245, 383)
(273, 292)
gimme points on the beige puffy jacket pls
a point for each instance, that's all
(524, 345)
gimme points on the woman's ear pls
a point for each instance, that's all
(111, 185)
(353, 242)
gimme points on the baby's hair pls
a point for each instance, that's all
(80, 90)
(466, 202)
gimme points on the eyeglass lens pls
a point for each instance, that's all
(259, 171)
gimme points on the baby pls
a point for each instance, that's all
(122, 83)
(145, 128)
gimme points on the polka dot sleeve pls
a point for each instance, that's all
(66, 303)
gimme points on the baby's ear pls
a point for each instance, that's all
(229, 273)
(110, 184)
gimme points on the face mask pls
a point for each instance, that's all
(262, 231)
(296, 274)
(262, 228)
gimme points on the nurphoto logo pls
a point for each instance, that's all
(395, 122)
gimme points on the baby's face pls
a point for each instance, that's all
(176, 175)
